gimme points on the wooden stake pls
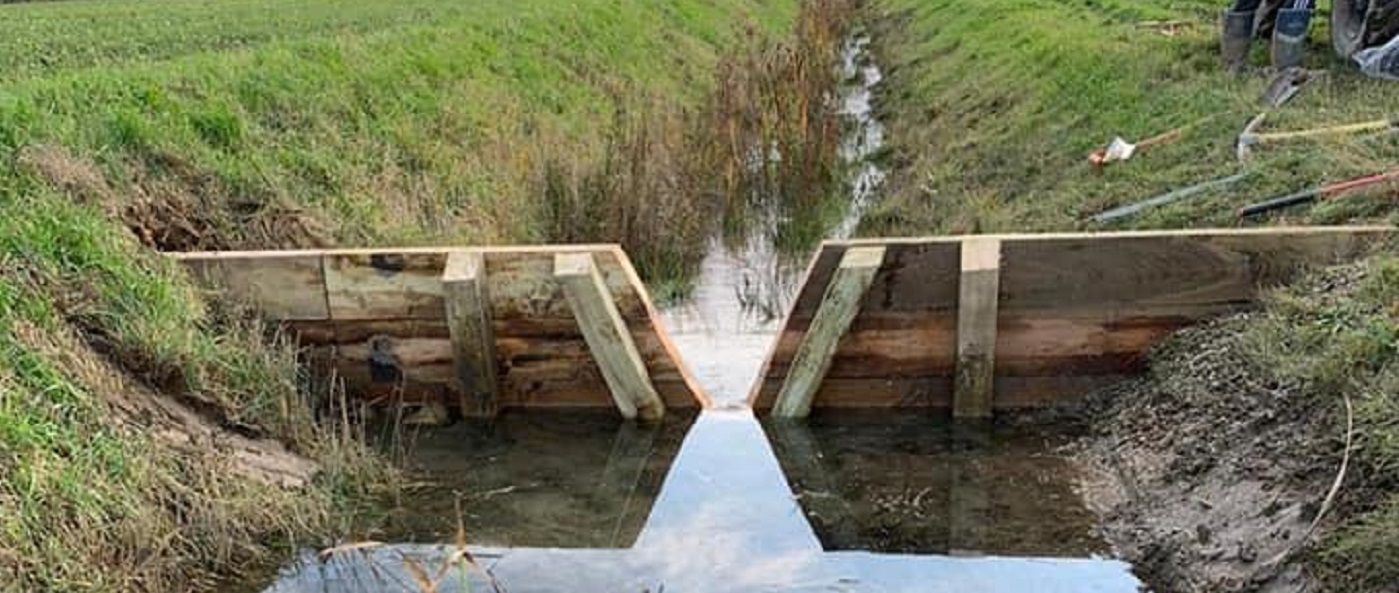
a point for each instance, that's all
(608, 338)
(977, 306)
(469, 321)
(838, 308)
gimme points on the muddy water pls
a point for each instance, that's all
(720, 502)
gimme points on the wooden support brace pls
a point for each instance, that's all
(608, 338)
(838, 308)
(977, 305)
(468, 309)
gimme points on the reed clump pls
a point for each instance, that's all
(758, 155)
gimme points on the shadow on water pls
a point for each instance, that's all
(566, 479)
(912, 483)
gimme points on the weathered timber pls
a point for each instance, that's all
(838, 307)
(607, 336)
(380, 321)
(1076, 311)
(976, 327)
(384, 285)
(282, 285)
(469, 324)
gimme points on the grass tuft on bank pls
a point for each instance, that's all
(1336, 337)
(150, 442)
(995, 106)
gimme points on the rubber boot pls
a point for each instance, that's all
(1290, 37)
(1235, 35)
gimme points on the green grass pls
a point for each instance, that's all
(994, 106)
(1338, 337)
(128, 124)
(425, 128)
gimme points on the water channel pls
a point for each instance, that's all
(723, 502)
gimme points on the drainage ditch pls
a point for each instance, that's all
(721, 502)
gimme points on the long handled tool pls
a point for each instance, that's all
(1324, 192)
(1119, 149)
(1248, 137)
(1168, 197)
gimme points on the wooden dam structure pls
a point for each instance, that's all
(972, 323)
(481, 328)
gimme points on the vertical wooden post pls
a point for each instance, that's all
(838, 308)
(607, 335)
(468, 310)
(977, 305)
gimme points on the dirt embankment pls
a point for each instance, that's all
(1214, 466)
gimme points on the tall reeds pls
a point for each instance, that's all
(757, 156)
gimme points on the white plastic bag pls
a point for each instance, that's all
(1380, 62)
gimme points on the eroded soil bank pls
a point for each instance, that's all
(1212, 468)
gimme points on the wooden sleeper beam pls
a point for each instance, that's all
(837, 310)
(608, 338)
(977, 307)
(469, 322)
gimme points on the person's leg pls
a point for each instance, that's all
(1236, 33)
(1290, 33)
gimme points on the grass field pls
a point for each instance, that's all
(127, 125)
(996, 105)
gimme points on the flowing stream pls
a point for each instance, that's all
(741, 295)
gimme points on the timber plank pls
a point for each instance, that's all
(838, 308)
(1076, 311)
(468, 310)
(385, 284)
(609, 339)
(976, 327)
(398, 303)
(288, 287)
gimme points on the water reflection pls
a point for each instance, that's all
(912, 483)
(725, 520)
(575, 479)
(725, 329)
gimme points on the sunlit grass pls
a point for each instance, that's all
(994, 106)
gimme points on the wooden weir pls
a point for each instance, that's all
(973, 324)
(1013, 321)
(483, 328)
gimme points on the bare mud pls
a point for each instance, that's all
(1208, 475)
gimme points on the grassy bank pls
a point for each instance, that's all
(1337, 337)
(152, 441)
(994, 107)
